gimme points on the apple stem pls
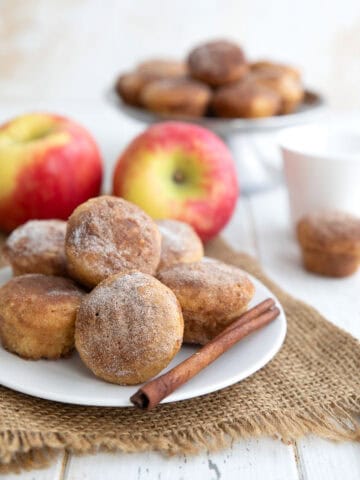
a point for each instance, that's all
(179, 177)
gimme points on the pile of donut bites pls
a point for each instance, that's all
(125, 290)
(216, 80)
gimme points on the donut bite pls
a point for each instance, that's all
(217, 63)
(108, 235)
(162, 68)
(37, 315)
(330, 243)
(176, 96)
(129, 328)
(245, 99)
(281, 68)
(37, 246)
(211, 294)
(179, 243)
(129, 85)
(283, 80)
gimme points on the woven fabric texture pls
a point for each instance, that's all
(311, 386)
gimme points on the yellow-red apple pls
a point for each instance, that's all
(181, 171)
(48, 166)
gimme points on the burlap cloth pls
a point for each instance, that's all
(311, 386)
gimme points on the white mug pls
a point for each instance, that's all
(322, 169)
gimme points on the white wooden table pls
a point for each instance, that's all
(260, 226)
(61, 55)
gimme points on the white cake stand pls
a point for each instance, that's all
(254, 171)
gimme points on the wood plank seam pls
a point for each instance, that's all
(64, 465)
(298, 461)
(252, 224)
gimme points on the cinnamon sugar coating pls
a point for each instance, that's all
(37, 315)
(37, 246)
(245, 99)
(157, 68)
(129, 328)
(284, 83)
(217, 63)
(179, 243)
(108, 235)
(332, 231)
(130, 85)
(211, 294)
(330, 243)
(177, 96)
(265, 65)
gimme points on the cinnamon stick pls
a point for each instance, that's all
(151, 394)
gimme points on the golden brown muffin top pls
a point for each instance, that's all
(330, 231)
(217, 62)
(210, 272)
(128, 325)
(176, 88)
(179, 243)
(36, 295)
(36, 242)
(280, 82)
(211, 277)
(108, 235)
(161, 68)
(268, 66)
(128, 86)
(242, 96)
(47, 286)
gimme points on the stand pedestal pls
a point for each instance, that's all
(254, 171)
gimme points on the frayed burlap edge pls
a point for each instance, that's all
(24, 450)
(21, 450)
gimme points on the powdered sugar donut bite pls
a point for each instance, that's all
(108, 235)
(217, 63)
(38, 314)
(177, 96)
(211, 294)
(129, 328)
(179, 243)
(37, 246)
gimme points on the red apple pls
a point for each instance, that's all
(48, 166)
(181, 171)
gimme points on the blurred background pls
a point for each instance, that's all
(73, 49)
(64, 55)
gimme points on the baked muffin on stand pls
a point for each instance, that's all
(176, 96)
(283, 83)
(158, 68)
(246, 100)
(266, 65)
(129, 85)
(217, 63)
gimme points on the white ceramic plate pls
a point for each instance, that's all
(69, 381)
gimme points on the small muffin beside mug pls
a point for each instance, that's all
(330, 243)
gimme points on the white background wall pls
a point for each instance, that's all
(43, 41)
